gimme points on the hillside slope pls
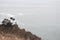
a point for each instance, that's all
(15, 33)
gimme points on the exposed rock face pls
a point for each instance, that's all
(15, 33)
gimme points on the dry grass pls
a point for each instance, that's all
(10, 37)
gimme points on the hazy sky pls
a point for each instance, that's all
(41, 17)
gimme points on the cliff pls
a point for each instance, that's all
(15, 33)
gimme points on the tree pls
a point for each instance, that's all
(6, 22)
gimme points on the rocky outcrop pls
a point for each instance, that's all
(15, 33)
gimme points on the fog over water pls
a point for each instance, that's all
(41, 17)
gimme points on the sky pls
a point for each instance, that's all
(41, 17)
